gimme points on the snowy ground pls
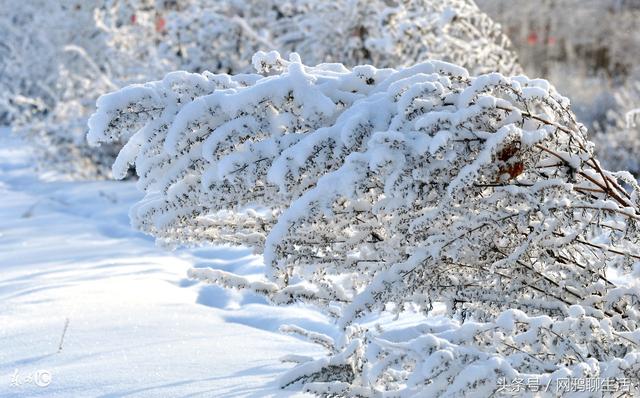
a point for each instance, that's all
(136, 327)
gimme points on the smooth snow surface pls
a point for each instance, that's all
(136, 326)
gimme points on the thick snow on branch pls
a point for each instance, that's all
(375, 190)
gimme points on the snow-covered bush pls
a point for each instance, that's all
(27, 87)
(618, 138)
(51, 78)
(401, 33)
(78, 50)
(381, 190)
(222, 36)
(134, 32)
(588, 48)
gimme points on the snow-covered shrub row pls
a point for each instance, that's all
(222, 36)
(382, 190)
(51, 77)
(88, 48)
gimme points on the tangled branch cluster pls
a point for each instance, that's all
(375, 190)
